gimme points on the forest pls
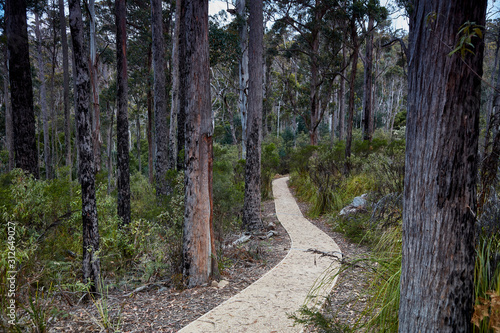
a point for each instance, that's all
(139, 142)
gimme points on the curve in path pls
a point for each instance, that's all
(264, 306)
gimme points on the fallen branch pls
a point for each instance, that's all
(333, 254)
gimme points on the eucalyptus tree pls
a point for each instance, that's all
(91, 262)
(438, 250)
(21, 87)
(199, 256)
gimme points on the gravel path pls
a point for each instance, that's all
(265, 305)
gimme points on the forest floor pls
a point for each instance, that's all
(158, 308)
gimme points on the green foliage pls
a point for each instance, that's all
(467, 32)
(269, 167)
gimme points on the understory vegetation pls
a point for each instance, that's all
(377, 170)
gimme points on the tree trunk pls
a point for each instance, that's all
(367, 100)
(243, 73)
(138, 138)
(91, 262)
(110, 146)
(26, 155)
(199, 256)
(122, 114)
(43, 100)
(354, 69)
(342, 96)
(438, 255)
(150, 119)
(94, 80)
(173, 144)
(67, 121)
(9, 131)
(160, 105)
(252, 219)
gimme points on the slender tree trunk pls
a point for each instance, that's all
(91, 262)
(122, 128)
(150, 119)
(67, 121)
(437, 272)
(252, 219)
(175, 106)
(26, 155)
(160, 105)
(94, 80)
(9, 131)
(138, 137)
(199, 257)
(243, 73)
(111, 117)
(342, 96)
(367, 100)
(43, 101)
(354, 35)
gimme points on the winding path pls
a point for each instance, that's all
(264, 306)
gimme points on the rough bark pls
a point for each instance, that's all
(252, 219)
(181, 113)
(9, 131)
(150, 119)
(94, 80)
(243, 73)
(175, 107)
(67, 121)
(122, 114)
(91, 262)
(368, 81)
(160, 105)
(199, 257)
(441, 169)
(23, 115)
(43, 100)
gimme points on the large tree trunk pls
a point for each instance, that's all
(26, 155)
(94, 80)
(67, 122)
(199, 256)
(243, 73)
(367, 100)
(173, 144)
(252, 219)
(43, 100)
(91, 262)
(160, 105)
(9, 131)
(437, 278)
(122, 114)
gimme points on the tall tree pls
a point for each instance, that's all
(199, 258)
(122, 114)
(251, 207)
(21, 87)
(91, 262)
(160, 105)
(437, 287)
(368, 81)
(94, 80)
(43, 96)
(243, 72)
(67, 122)
(173, 144)
(9, 131)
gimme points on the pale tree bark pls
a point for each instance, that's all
(43, 100)
(342, 96)
(437, 273)
(111, 116)
(67, 121)
(368, 83)
(122, 127)
(91, 261)
(160, 105)
(175, 107)
(94, 80)
(243, 73)
(138, 139)
(252, 219)
(199, 256)
(21, 87)
(9, 132)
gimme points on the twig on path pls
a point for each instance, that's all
(333, 254)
